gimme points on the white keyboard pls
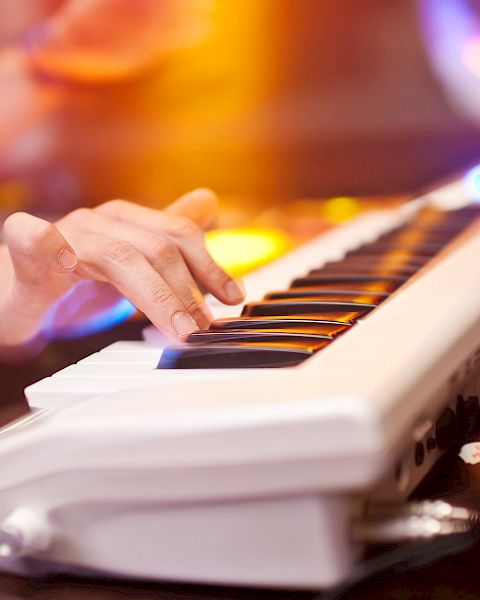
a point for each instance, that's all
(252, 475)
(126, 364)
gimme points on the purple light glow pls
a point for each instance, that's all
(471, 183)
(452, 34)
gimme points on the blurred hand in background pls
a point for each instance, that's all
(50, 49)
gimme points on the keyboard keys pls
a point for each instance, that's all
(291, 339)
(364, 268)
(425, 249)
(416, 236)
(300, 324)
(394, 256)
(331, 278)
(355, 310)
(370, 283)
(231, 356)
(289, 325)
(341, 274)
(328, 295)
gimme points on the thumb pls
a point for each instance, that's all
(37, 247)
(200, 205)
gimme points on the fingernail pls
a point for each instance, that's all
(183, 324)
(235, 291)
(67, 258)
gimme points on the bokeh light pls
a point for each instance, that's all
(452, 35)
(471, 183)
(241, 250)
(341, 209)
(471, 56)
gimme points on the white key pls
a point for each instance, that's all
(57, 392)
(129, 346)
(105, 369)
(60, 390)
(142, 357)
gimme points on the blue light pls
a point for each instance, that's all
(87, 308)
(471, 183)
(102, 320)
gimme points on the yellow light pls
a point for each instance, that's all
(244, 249)
(343, 208)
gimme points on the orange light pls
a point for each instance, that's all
(241, 250)
(341, 209)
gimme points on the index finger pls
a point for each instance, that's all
(116, 261)
(190, 240)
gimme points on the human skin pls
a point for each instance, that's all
(156, 259)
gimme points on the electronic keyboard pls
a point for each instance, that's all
(246, 455)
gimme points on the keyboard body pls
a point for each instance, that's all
(248, 476)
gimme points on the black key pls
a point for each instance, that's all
(386, 284)
(303, 307)
(300, 324)
(446, 229)
(419, 248)
(394, 255)
(411, 234)
(328, 295)
(249, 336)
(337, 316)
(354, 277)
(231, 356)
(346, 267)
(367, 287)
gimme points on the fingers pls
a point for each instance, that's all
(188, 236)
(40, 270)
(200, 205)
(124, 266)
(36, 248)
(160, 251)
(153, 258)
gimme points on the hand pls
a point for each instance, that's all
(155, 259)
